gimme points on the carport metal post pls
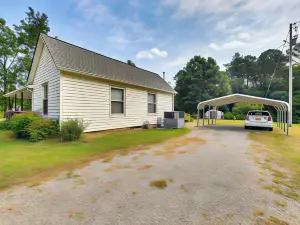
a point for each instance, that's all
(280, 125)
(208, 117)
(203, 116)
(284, 120)
(287, 118)
(276, 115)
(198, 117)
(216, 115)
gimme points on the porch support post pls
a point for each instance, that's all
(15, 101)
(22, 98)
(9, 103)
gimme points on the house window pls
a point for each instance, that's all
(117, 101)
(45, 99)
(151, 103)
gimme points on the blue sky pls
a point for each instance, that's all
(162, 35)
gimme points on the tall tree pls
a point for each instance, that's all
(200, 80)
(129, 62)
(28, 32)
(9, 65)
(243, 70)
(267, 62)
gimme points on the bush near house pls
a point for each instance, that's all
(42, 128)
(72, 129)
(20, 122)
(4, 125)
(30, 126)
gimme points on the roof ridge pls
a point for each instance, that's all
(101, 55)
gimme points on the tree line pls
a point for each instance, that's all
(17, 46)
(263, 76)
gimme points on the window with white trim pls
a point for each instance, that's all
(117, 100)
(151, 103)
(45, 99)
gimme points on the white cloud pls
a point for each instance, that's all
(144, 55)
(214, 46)
(118, 39)
(162, 54)
(178, 62)
(244, 36)
(151, 54)
(98, 12)
(235, 44)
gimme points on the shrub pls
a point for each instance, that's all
(239, 116)
(72, 129)
(5, 125)
(228, 116)
(20, 122)
(145, 125)
(42, 128)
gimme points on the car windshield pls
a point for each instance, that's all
(258, 114)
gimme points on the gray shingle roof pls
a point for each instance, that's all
(69, 57)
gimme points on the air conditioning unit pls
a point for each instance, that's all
(174, 119)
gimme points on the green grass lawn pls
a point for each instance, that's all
(22, 161)
(281, 151)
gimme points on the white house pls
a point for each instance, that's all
(68, 81)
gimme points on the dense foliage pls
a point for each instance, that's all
(129, 62)
(72, 129)
(20, 122)
(42, 128)
(263, 76)
(200, 80)
(16, 50)
(30, 126)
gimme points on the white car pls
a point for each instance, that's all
(258, 118)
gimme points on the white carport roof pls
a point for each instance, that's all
(236, 98)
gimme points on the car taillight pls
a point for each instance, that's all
(269, 118)
(247, 118)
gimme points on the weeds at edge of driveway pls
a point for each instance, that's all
(160, 184)
(282, 153)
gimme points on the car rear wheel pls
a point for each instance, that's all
(270, 129)
(246, 127)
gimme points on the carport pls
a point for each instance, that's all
(282, 108)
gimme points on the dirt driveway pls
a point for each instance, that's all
(210, 175)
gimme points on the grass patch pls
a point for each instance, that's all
(283, 153)
(22, 161)
(76, 215)
(258, 212)
(274, 220)
(184, 188)
(147, 166)
(161, 184)
(34, 184)
(280, 203)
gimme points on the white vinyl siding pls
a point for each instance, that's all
(89, 99)
(47, 73)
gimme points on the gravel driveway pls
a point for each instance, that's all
(209, 175)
